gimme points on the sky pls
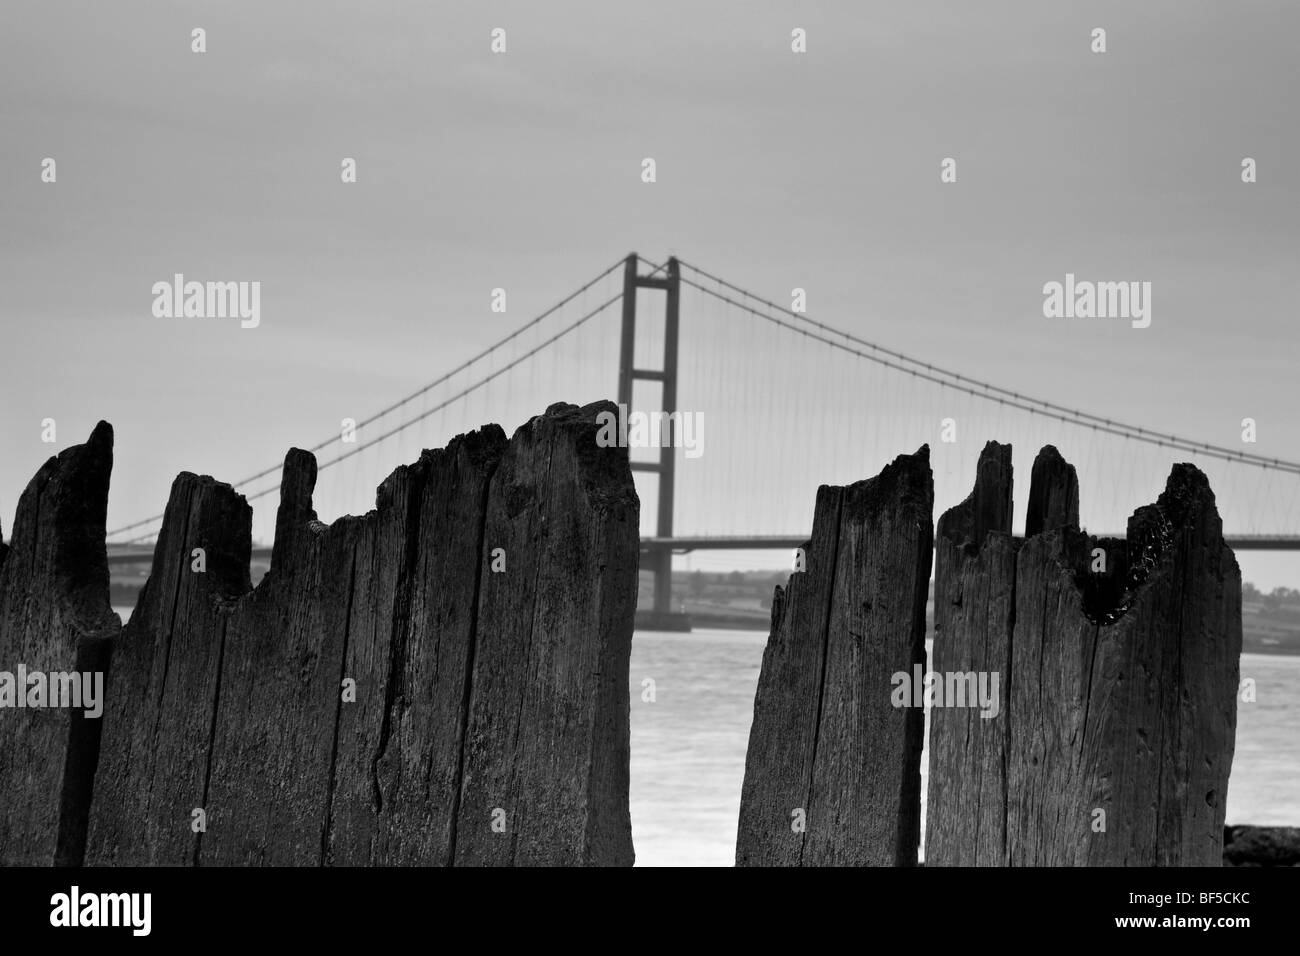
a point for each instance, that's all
(522, 170)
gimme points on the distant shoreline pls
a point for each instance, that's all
(723, 622)
(742, 600)
(753, 617)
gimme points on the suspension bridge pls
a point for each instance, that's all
(785, 403)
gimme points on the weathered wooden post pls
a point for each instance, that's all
(832, 774)
(164, 685)
(1118, 705)
(55, 619)
(305, 687)
(397, 795)
(1155, 711)
(294, 765)
(397, 678)
(546, 761)
(974, 614)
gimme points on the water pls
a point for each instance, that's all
(1265, 784)
(688, 747)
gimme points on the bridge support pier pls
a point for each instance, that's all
(658, 558)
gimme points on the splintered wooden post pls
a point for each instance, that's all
(233, 703)
(55, 618)
(974, 603)
(547, 745)
(268, 768)
(1125, 660)
(162, 695)
(1053, 494)
(832, 775)
(345, 687)
(396, 802)
(395, 677)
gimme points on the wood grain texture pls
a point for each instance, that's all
(416, 770)
(1115, 738)
(161, 701)
(1161, 713)
(547, 743)
(55, 617)
(274, 746)
(827, 739)
(974, 603)
(471, 687)
(1139, 715)
(783, 734)
(1053, 494)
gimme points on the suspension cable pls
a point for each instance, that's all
(425, 389)
(1068, 416)
(969, 385)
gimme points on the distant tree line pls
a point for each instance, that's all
(1277, 600)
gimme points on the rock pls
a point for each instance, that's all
(1261, 846)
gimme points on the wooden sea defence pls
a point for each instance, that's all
(1112, 736)
(442, 681)
(1082, 695)
(832, 774)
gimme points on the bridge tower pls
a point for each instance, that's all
(657, 557)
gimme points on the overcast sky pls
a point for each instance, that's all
(522, 170)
